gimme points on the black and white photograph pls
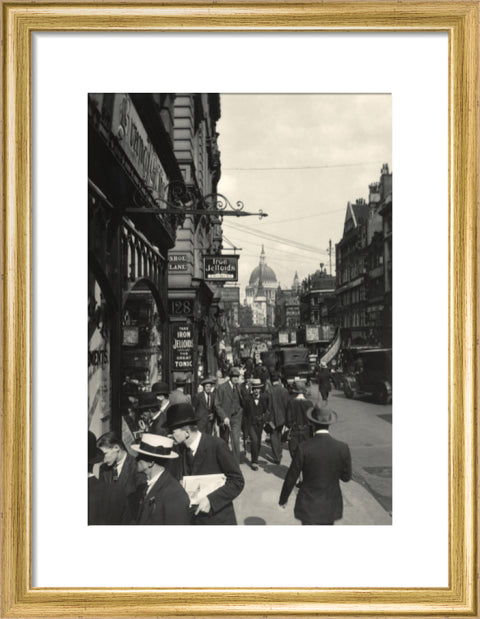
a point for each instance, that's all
(240, 309)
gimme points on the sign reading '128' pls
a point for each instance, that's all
(221, 268)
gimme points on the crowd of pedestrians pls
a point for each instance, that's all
(180, 440)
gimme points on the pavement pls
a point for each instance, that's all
(258, 503)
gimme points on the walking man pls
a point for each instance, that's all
(256, 411)
(202, 454)
(323, 462)
(228, 406)
(324, 386)
(178, 394)
(165, 501)
(279, 398)
(203, 406)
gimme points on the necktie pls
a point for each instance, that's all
(115, 472)
(189, 461)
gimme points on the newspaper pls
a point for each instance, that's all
(199, 486)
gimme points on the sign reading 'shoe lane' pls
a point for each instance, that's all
(221, 268)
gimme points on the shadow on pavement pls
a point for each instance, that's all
(254, 520)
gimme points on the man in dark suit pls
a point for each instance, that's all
(228, 407)
(257, 413)
(323, 377)
(158, 423)
(279, 398)
(164, 501)
(119, 469)
(107, 504)
(202, 454)
(203, 406)
(323, 461)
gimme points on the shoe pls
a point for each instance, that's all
(254, 467)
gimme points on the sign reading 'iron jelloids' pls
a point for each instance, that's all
(221, 268)
(182, 347)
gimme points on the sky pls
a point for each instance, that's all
(300, 158)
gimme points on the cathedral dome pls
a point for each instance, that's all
(263, 274)
(268, 275)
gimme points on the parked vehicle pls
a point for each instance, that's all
(294, 363)
(371, 375)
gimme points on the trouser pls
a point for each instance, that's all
(233, 433)
(276, 443)
(255, 433)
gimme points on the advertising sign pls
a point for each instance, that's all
(182, 347)
(221, 268)
(133, 138)
(230, 294)
(283, 337)
(311, 333)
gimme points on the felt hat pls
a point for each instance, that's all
(322, 415)
(181, 380)
(210, 380)
(298, 386)
(181, 414)
(156, 446)
(147, 400)
(235, 372)
(94, 454)
(160, 388)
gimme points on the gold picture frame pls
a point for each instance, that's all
(461, 21)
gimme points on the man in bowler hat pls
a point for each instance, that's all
(228, 406)
(257, 412)
(165, 501)
(323, 462)
(202, 454)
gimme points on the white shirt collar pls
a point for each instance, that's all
(194, 446)
(121, 463)
(152, 481)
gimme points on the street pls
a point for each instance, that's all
(367, 429)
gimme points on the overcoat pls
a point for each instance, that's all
(159, 425)
(166, 503)
(323, 461)
(107, 504)
(279, 398)
(213, 457)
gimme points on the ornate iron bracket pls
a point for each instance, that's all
(181, 198)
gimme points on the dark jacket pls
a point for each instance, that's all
(256, 414)
(203, 411)
(213, 457)
(279, 399)
(166, 503)
(323, 461)
(159, 425)
(107, 504)
(226, 403)
(323, 376)
(130, 481)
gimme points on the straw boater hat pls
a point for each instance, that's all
(210, 380)
(256, 383)
(322, 416)
(181, 414)
(156, 446)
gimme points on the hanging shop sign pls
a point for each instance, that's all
(182, 347)
(221, 268)
(177, 262)
(181, 307)
(311, 333)
(230, 294)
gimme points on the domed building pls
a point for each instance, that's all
(261, 292)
